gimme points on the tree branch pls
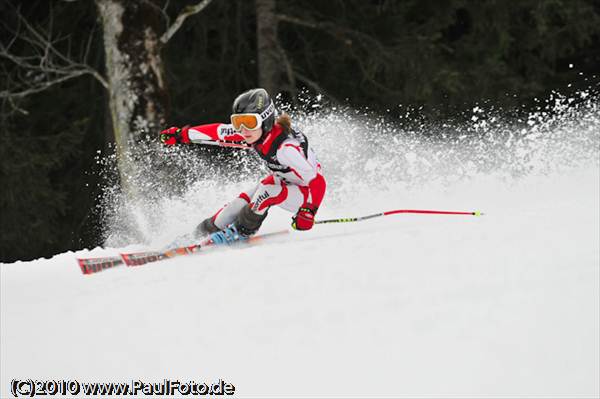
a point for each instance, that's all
(38, 87)
(187, 11)
(338, 32)
(376, 53)
(44, 66)
(311, 83)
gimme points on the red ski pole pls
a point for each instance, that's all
(375, 215)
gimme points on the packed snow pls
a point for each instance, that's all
(505, 304)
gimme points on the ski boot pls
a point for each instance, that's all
(246, 224)
(227, 236)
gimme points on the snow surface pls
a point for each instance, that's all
(506, 304)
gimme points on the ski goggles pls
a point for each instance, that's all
(251, 121)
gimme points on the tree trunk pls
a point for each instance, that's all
(270, 69)
(137, 92)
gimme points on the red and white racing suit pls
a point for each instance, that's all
(295, 180)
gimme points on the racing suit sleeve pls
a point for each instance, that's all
(214, 132)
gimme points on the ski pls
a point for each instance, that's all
(141, 258)
(95, 265)
(132, 259)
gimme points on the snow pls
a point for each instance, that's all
(506, 304)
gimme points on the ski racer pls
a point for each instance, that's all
(295, 183)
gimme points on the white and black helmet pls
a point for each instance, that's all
(256, 101)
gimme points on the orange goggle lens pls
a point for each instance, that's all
(249, 121)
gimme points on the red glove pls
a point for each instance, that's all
(305, 217)
(175, 135)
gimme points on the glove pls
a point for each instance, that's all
(175, 135)
(305, 217)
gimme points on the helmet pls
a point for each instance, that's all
(256, 101)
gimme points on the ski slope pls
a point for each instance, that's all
(502, 305)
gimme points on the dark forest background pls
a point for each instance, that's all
(444, 56)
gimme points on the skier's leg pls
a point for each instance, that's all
(296, 196)
(270, 192)
(226, 215)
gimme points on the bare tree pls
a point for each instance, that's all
(270, 56)
(44, 65)
(134, 35)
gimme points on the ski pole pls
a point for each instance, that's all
(223, 144)
(376, 215)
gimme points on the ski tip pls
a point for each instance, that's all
(478, 213)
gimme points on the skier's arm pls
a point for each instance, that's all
(200, 133)
(214, 132)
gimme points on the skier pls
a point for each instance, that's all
(295, 184)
